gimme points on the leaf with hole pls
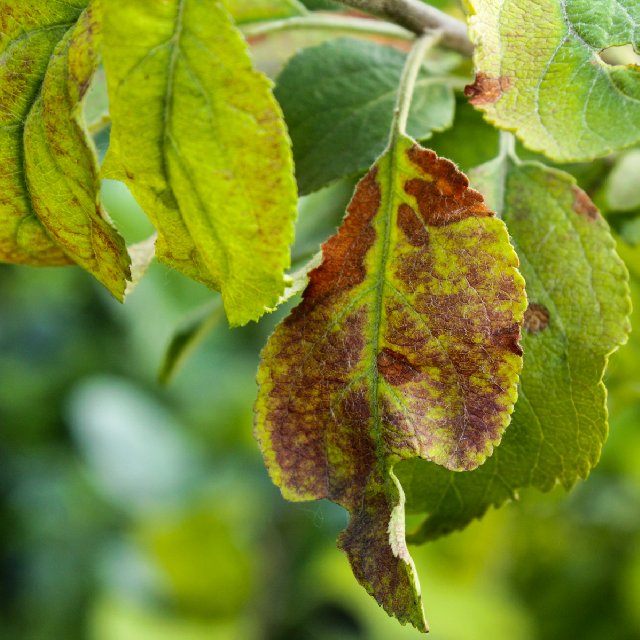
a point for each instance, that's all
(540, 73)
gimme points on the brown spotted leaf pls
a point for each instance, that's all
(406, 344)
(49, 184)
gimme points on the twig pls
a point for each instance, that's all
(418, 17)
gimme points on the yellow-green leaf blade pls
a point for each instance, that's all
(48, 172)
(578, 314)
(60, 162)
(405, 345)
(540, 73)
(200, 141)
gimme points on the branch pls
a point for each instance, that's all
(418, 18)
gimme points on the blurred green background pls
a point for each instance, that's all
(132, 511)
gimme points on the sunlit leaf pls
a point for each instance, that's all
(199, 140)
(49, 214)
(578, 314)
(342, 125)
(405, 345)
(540, 73)
(248, 11)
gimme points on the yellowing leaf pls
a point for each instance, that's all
(540, 73)
(405, 345)
(49, 213)
(199, 140)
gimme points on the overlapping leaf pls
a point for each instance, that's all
(405, 345)
(49, 214)
(200, 141)
(342, 125)
(540, 73)
(578, 312)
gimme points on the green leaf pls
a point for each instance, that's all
(540, 74)
(622, 190)
(248, 11)
(338, 100)
(405, 345)
(468, 125)
(188, 337)
(199, 139)
(578, 313)
(49, 214)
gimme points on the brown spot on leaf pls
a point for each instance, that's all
(395, 367)
(486, 90)
(583, 205)
(343, 254)
(412, 226)
(443, 194)
(536, 318)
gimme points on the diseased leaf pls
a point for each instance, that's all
(341, 126)
(405, 345)
(578, 312)
(199, 140)
(539, 73)
(49, 211)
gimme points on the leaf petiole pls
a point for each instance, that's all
(347, 24)
(408, 82)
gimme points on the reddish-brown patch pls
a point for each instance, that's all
(443, 195)
(486, 90)
(583, 205)
(536, 318)
(412, 227)
(343, 254)
(395, 367)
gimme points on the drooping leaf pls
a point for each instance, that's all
(49, 214)
(187, 338)
(405, 345)
(341, 126)
(248, 11)
(539, 73)
(199, 139)
(578, 311)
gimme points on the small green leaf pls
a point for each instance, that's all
(338, 100)
(49, 183)
(540, 73)
(622, 191)
(187, 338)
(578, 314)
(405, 344)
(199, 139)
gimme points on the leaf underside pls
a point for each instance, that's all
(405, 345)
(578, 314)
(200, 141)
(540, 73)
(49, 210)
